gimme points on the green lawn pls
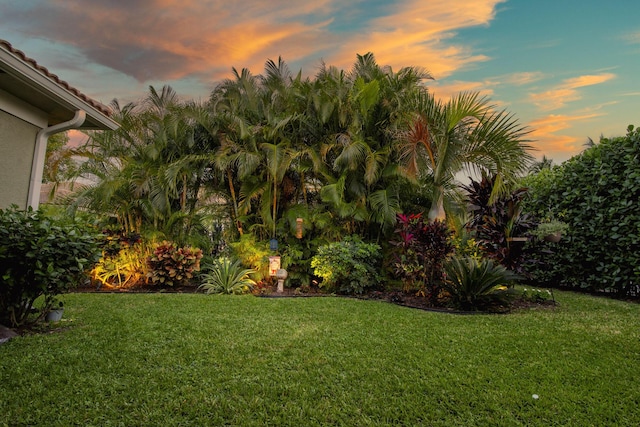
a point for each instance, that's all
(192, 359)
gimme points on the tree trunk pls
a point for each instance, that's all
(437, 207)
(235, 201)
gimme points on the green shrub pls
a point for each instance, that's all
(477, 284)
(170, 265)
(227, 277)
(349, 266)
(40, 257)
(596, 193)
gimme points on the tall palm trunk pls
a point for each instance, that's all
(235, 201)
(437, 205)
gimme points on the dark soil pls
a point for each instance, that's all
(409, 300)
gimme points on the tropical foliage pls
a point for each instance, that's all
(301, 161)
(465, 133)
(497, 225)
(343, 143)
(171, 266)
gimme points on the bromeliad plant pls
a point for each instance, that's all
(420, 252)
(172, 266)
(225, 276)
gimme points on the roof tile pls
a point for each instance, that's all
(33, 64)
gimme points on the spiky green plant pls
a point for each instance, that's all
(477, 284)
(227, 277)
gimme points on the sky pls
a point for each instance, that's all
(568, 69)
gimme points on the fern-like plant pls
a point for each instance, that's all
(477, 284)
(225, 276)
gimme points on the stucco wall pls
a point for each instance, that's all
(17, 142)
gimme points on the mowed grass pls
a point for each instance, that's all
(192, 359)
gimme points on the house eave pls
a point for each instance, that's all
(24, 81)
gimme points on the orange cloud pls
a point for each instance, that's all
(521, 79)
(566, 92)
(171, 39)
(557, 146)
(160, 40)
(415, 33)
(588, 80)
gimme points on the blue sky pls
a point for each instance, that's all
(569, 69)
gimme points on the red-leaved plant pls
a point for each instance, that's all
(420, 252)
(171, 266)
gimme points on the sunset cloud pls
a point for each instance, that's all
(559, 96)
(521, 79)
(153, 40)
(548, 136)
(170, 39)
(418, 33)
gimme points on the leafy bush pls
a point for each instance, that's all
(420, 251)
(349, 266)
(40, 257)
(171, 266)
(596, 193)
(477, 284)
(227, 277)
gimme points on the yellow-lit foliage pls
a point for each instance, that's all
(253, 254)
(126, 269)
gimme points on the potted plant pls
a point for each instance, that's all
(55, 312)
(550, 231)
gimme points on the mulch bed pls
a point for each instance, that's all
(409, 300)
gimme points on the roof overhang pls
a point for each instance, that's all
(33, 84)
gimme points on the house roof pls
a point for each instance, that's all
(25, 79)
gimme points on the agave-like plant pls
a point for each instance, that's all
(476, 284)
(227, 277)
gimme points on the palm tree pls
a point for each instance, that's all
(463, 134)
(143, 173)
(360, 112)
(544, 163)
